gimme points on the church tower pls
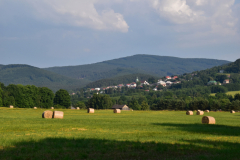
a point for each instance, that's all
(137, 80)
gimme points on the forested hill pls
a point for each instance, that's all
(29, 75)
(150, 64)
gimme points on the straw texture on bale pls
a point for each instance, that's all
(200, 112)
(78, 108)
(11, 106)
(189, 113)
(58, 114)
(207, 111)
(90, 110)
(208, 120)
(232, 111)
(52, 107)
(47, 114)
(34, 107)
(116, 111)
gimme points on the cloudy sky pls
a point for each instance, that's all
(47, 33)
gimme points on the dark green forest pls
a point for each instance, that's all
(29, 75)
(145, 64)
(30, 96)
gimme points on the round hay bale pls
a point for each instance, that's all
(78, 108)
(90, 110)
(58, 114)
(207, 111)
(189, 113)
(34, 107)
(232, 111)
(11, 106)
(52, 107)
(208, 120)
(116, 111)
(200, 112)
(47, 114)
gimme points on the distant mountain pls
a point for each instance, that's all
(29, 75)
(145, 64)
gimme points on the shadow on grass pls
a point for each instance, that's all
(68, 149)
(205, 128)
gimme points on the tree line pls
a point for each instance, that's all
(30, 96)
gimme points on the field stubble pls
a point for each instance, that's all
(129, 135)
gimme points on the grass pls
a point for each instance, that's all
(129, 135)
(232, 93)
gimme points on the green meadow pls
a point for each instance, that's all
(232, 93)
(24, 134)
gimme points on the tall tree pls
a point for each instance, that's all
(62, 98)
(144, 105)
(47, 96)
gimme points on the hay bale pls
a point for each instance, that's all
(90, 110)
(207, 111)
(47, 114)
(58, 114)
(78, 108)
(116, 111)
(52, 107)
(11, 106)
(208, 120)
(200, 112)
(189, 113)
(34, 107)
(232, 111)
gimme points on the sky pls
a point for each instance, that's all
(47, 33)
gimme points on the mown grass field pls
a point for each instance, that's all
(229, 93)
(129, 135)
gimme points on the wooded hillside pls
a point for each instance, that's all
(145, 64)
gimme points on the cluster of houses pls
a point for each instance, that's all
(165, 83)
(226, 81)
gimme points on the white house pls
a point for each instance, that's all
(168, 83)
(128, 85)
(162, 83)
(221, 71)
(226, 81)
(144, 83)
(168, 77)
(133, 84)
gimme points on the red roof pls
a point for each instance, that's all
(168, 77)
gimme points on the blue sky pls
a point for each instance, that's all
(47, 33)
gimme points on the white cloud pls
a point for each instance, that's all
(176, 11)
(214, 16)
(79, 13)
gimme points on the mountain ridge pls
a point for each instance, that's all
(146, 64)
(30, 75)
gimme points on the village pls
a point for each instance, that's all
(164, 82)
(168, 81)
